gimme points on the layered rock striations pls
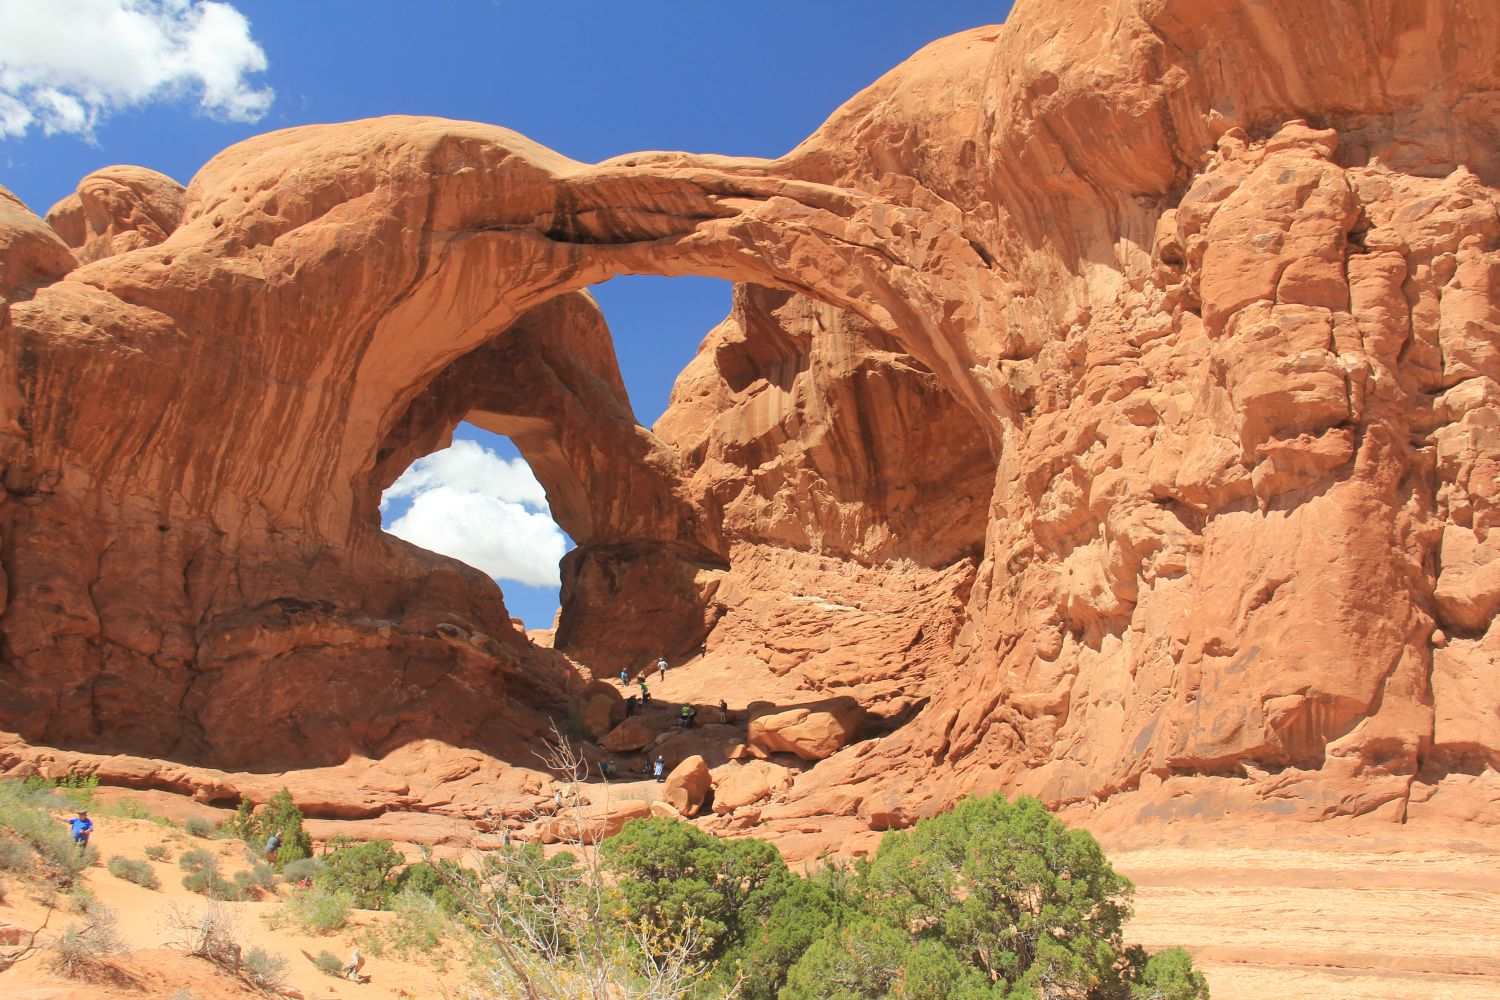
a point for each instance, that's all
(1109, 404)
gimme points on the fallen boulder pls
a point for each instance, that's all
(687, 786)
(812, 732)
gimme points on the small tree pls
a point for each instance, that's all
(551, 923)
(280, 816)
(364, 870)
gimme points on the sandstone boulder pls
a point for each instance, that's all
(602, 710)
(687, 785)
(591, 824)
(811, 732)
(749, 784)
(635, 733)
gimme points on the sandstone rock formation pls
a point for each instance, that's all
(812, 732)
(1109, 405)
(748, 784)
(687, 785)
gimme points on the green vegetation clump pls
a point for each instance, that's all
(34, 838)
(316, 910)
(80, 949)
(131, 870)
(157, 852)
(280, 816)
(996, 900)
(364, 871)
(204, 878)
(263, 970)
(444, 882)
(329, 964)
(302, 868)
(197, 826)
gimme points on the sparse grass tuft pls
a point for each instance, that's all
(296, 871)
(329, 964)
(264, 970)
(78, 951)
(131, 870)
(158, 852)
(316, 910)
(197, 826)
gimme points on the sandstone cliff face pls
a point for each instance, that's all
(1109, 403)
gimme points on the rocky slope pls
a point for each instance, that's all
(1109, 404)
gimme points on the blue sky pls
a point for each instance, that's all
(85, 83)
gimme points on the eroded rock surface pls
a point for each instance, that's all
(1109, 405)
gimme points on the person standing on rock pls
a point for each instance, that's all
(273, 844)
(660, 769)
(724, 711)
(81, 827)
(645, 693)
(624, 678)
(661, 668)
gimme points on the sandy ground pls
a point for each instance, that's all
(155, 970)
(1333, 910)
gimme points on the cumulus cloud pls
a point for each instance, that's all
(469, 503)
(66, 65)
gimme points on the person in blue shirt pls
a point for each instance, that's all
(82, 827)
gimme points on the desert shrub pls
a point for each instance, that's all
(209, 882)
(329, 964)
(264, 970)
(14, 855)
(318, 910)
(362, 870)
(261, 876)
(418, 930)
(439, 881)
(197, 860)
(197, 826)
(80, 948)
(1169, 975)
(157, 852)
(296, 871)
(75, 791)
(131, 870)
(797, 919)
(210, 933)
(280, 815)
(671, 874)
(25, 818)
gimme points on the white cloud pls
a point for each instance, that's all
(66, 65)
(469, 503)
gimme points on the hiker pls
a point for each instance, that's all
(660, 769)
(505, 837)
(607, 769)
(82, 827)
(645, 693)
(724, 711)
(661, 668)
(686, 719)
(624, 678)
(356, 962)
(557, 797)
(630, 704)
(273, 844)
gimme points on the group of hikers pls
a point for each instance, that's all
(689, 712)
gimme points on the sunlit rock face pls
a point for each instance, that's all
(1109, 404)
